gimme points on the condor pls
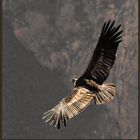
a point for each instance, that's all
(90, 87)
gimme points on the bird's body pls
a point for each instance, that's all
(89, 87)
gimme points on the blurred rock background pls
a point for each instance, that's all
(45, 44)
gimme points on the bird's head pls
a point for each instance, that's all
(74, 81)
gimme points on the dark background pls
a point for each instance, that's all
(45, 44)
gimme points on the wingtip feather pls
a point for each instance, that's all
(65, 111)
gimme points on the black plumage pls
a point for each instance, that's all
(104, 54)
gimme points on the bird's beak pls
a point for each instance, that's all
(74, 81)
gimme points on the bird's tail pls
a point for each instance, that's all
(106, 93)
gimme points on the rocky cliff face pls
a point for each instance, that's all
(45, 44)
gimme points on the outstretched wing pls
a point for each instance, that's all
(104, 55)
(69, 107)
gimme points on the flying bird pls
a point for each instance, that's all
(89, 87)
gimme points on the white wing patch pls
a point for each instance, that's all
(69, 107)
